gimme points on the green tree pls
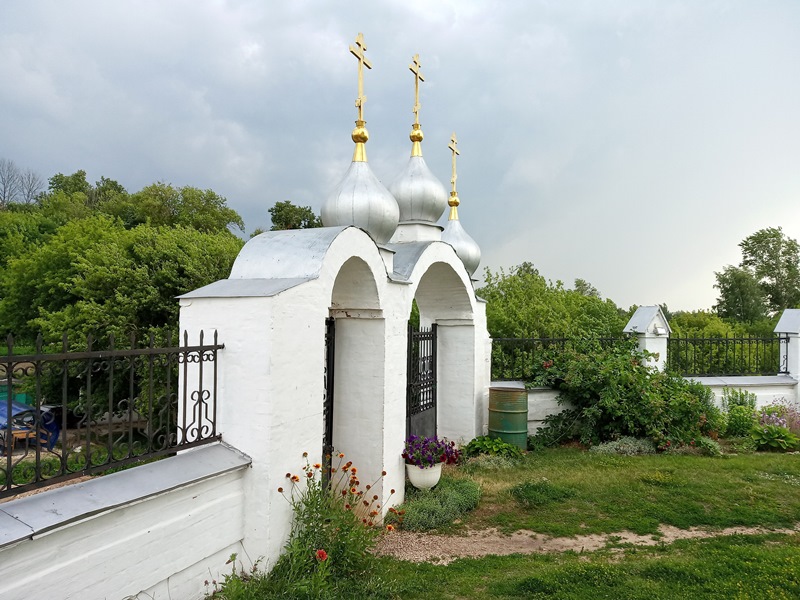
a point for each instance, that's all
(584, 288)
(163, 204)
(522, 303)
(741, 298)
(286, 215)
(95, 276)
(774, 260)
(70, 184)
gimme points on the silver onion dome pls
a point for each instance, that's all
(362, 200)
(419, 194)
(466, 248)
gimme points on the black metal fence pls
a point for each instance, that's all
(526, 359)
(70, 413)
(730, 355)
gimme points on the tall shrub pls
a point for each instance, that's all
(616, 393)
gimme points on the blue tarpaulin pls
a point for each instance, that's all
(25, 417)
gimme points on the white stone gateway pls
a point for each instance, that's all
(271, 315)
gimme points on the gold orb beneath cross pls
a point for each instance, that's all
(360, 134)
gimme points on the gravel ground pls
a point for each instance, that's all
(443, 549)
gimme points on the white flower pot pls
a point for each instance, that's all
(424, 478)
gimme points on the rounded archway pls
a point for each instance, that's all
(355, 386)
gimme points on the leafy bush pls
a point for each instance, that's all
(424, 510)
(616, 393)
(494, 446)
(741, 420)
(741, 445)
(709, 447)
(774, 437)
(557, 427)
(732, 397)
(625, 446)
(538, 493)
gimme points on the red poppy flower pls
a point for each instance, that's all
(322, 555)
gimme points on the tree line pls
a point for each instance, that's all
(86, 258)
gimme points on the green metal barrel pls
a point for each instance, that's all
(508, 415)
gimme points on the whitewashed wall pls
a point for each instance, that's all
(156, 531)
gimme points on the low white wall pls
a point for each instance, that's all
(544, 401)
(541, 403)
(155, 531)
(766, 389)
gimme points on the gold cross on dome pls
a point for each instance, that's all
(358, 52)
(452, 146)
(415, 67)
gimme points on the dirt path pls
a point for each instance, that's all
(443, 549)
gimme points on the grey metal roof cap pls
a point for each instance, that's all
(789, 321)
(643, 317)
(406, 257)
(290, 254)
(245, 288)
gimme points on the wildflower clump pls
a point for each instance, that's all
(336, 523)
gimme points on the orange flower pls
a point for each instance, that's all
(309, 474)
(390, 528)
(347, 507)
(341, 454)
(317, 466)
(354, 470)
(353, 490)
(295, 478)
(373, 513)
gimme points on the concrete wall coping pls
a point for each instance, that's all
(25, 518)
(745, 381)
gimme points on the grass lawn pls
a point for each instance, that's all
(569, 492)
(637, 493)
(764, 566)
(578, 493)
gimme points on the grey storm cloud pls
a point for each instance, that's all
(629, 143)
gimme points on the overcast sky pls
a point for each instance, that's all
(630, 143)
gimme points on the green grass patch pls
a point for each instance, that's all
(752, 567)
(425, 510)
(638, 493)
(538, 493)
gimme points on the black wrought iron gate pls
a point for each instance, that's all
(327, 405)
(421, 385)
